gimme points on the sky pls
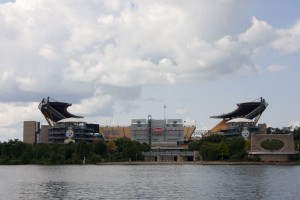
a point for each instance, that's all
(119, 60)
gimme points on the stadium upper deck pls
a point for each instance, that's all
(248, 110)
(55, 111)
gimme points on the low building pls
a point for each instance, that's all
(64, 131)
(115, 132)
(31, 131)
(165, 136)
(272, 147)
(156, 132)
(44, 134)
(169, 154)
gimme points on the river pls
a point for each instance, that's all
(150, 182)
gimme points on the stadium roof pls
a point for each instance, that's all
(247, 110)
(239, 120)
(55, 111)
(71, 120)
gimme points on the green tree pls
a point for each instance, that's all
(70, 148)
(75, 158)
(237, 148)
(133, 150)
(111, 146)
(214, 138)
(236, 144)
(25, 158)
(99, 147)
(272, 144)
(40, 152)
(83, 149)
(96, 159)
(144, 147)
(120, 143)
(17, 148)
(209, 151)
(195, 145)
(223, 150)
(54, 158)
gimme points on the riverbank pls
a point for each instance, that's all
(198, 163)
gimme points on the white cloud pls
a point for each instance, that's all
(294, 123)
(117, 43)
(259, 34)
(99, 54)
(93, 105)
(12, 116)
(106, 19)
(180, 111)
(289, 40)
(276, 68)
(11, 113)
(25, 83)
(47, 52)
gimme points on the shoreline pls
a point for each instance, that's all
(198, 163)
(173, 163)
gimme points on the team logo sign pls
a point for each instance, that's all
(245, 133)
(69, 135)
(158, 130)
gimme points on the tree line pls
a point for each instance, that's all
(218, 147)
(295, 132)
(122, 149)
(214, 147)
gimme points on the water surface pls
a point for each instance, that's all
(150, 182)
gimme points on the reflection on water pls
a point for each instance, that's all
(55, 189)
(150, 182)
(45, 190)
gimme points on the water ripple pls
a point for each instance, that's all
(149, 182)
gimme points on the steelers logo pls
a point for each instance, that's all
(70, 133)
(245, 133)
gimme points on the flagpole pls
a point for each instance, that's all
(164, 111)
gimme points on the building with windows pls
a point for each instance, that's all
(156, 132)
(63, 127)
(165, 136)
(31, 131)
(72, 130)
(242, 121)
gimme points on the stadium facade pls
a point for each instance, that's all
(158, 132)
(167, 137)
(242, 121)
(64, 127)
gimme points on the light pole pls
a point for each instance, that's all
(165, 111)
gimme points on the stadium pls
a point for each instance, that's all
(168, 138)
(64, 127)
